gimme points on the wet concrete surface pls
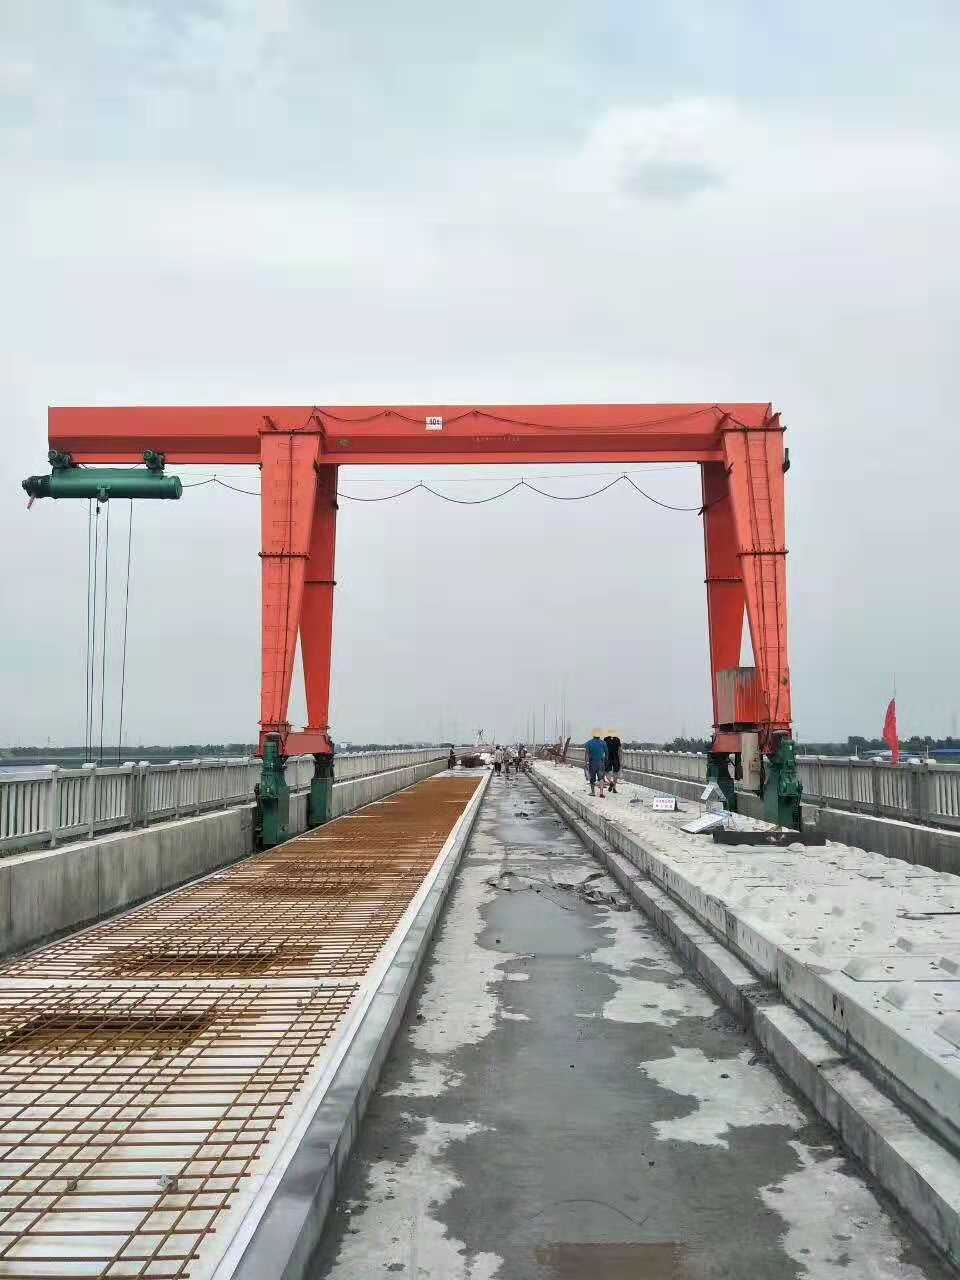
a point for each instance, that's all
(565, 1101)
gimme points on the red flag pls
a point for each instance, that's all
(890, 731)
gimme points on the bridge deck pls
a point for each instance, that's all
(153, 1066)
(565, 1100)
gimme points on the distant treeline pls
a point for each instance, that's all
(181, 750)
(855, 745)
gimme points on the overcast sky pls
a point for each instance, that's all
(284, 201)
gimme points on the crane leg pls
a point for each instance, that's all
(755, 465)
(288, 489)
(725, 605)
(316, 638)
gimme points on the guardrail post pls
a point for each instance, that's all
(89, 799)
(53, 804)
(916, 791)
(143, 791)
(874, 788)
(178, 788)
(929, 794)
(130, 791)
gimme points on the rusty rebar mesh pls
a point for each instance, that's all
(172, 958)
(145, 1063)
(335, 897)
(129, 1115)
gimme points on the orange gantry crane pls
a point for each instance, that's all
(739, 448)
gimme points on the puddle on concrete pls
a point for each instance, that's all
(660, 1261)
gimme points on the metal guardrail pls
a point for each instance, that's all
(44, 807)
(923, 793)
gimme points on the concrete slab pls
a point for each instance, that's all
(797, 918)
(909, 1161)
(565, 1099)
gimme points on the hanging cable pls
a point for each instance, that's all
(86, 669)
(92, 670)
(470, 502)
(254, 493)
(522, 483)
(126, 613)
(353, 497)
(666, 505)
(103, 643)
(573, 497)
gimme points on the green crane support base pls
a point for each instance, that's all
(718, 771)
(273, 796)
(782, 789)
(321, 791)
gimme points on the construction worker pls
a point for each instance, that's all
(498, 759)
(614, 746)
(595, 755)
(452, 759)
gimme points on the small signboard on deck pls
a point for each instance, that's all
(666, 804)
(434, 424)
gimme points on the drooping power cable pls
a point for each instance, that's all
(522, 483)
(126, 614)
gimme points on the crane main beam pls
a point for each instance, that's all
(404, 434)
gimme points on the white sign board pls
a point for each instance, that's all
(434, 424)
(708, 822)
(666, 803)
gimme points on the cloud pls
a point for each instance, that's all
(669, 152)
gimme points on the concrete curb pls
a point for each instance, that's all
(921, 1176)
(287, 1234)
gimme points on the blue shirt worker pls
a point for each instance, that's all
(596, 759)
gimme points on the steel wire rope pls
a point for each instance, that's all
(126, 613)
(92, 671)
(86, 669)
(103, 644)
